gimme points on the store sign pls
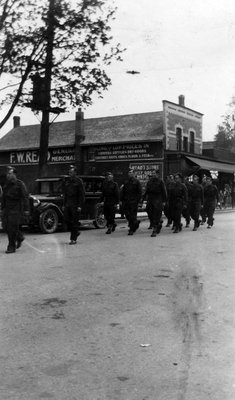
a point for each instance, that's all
(144, 171)
(32, 156)
(137, 151)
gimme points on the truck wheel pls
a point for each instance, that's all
(48, 221)
(100, 221)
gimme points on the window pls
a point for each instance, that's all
(185, 144)
(178, 139)
(192, 139)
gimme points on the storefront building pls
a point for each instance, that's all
(171, 139)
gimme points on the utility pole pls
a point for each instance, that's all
(45, 124)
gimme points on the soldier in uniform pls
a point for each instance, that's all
(169, 206)
(15, 206)
(211, 197)
(110, 199)
(202, 212)
(130, 197)
(156, 198)
(186, 211)
(74, 198)
(196, 201)
(179, 197)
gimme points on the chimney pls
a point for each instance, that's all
(16, 122)
(79, 137)
(181, 100)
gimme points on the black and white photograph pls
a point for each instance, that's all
(117, 200)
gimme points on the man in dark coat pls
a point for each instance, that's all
(15, 206)
(178, 199)
(186, 210)
(130, 197)
(74, 198)
(170, 183)
(196, 201)
(110, 199)
(211, 197)
(156, 198)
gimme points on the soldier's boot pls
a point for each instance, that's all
(109, 229)
(130, 233)
(136, 226)
(159, 227)
(195, 226)
(176, 230)
(114, 227)
(154, 232)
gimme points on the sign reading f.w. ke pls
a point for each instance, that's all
(32, 156)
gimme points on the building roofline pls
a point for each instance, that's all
(176, 104)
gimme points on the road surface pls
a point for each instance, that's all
(118, 317)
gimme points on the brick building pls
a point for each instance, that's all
(171, 139)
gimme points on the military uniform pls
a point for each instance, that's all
(74, 198)
(211, 196)
(186, 210)
(178, 199)
(169, 207)
(131, 196)
(110, 197)
(196, 202)
(156, 195)
(15, 202)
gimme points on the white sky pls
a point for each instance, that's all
(179, 47)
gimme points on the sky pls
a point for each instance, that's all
(179, 47)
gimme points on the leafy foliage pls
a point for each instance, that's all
(82, 48)
(225, 137)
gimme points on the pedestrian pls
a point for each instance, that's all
(74, 198)
(110, 200)
(130, 198)
(179, 198)
(211, 198)
(202, 212)
(156, 198)
(170, 182)
(15, 207)
(186, 211)
(196, 201)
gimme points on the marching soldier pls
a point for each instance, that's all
(74, 197)
(15, 206)
(156, 198)
(110, 199)
(196, 201)
(130, 197)
(168, 209)
(211, 197)
(178, 200)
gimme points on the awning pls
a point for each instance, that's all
(213, 165)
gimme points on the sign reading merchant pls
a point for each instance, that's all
(125, 151)
(55, 156)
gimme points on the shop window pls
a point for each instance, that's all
(178, 139)
(185, 144)
(192, 140)
(91, 155)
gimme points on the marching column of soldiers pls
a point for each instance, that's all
(178, 197)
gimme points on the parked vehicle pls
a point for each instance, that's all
(46, 205)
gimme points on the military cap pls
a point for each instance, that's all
(73, 167)
(11, 169)
(179, 174)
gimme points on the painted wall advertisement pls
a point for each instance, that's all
(55, 156)
(144, 171)
(124, 151)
